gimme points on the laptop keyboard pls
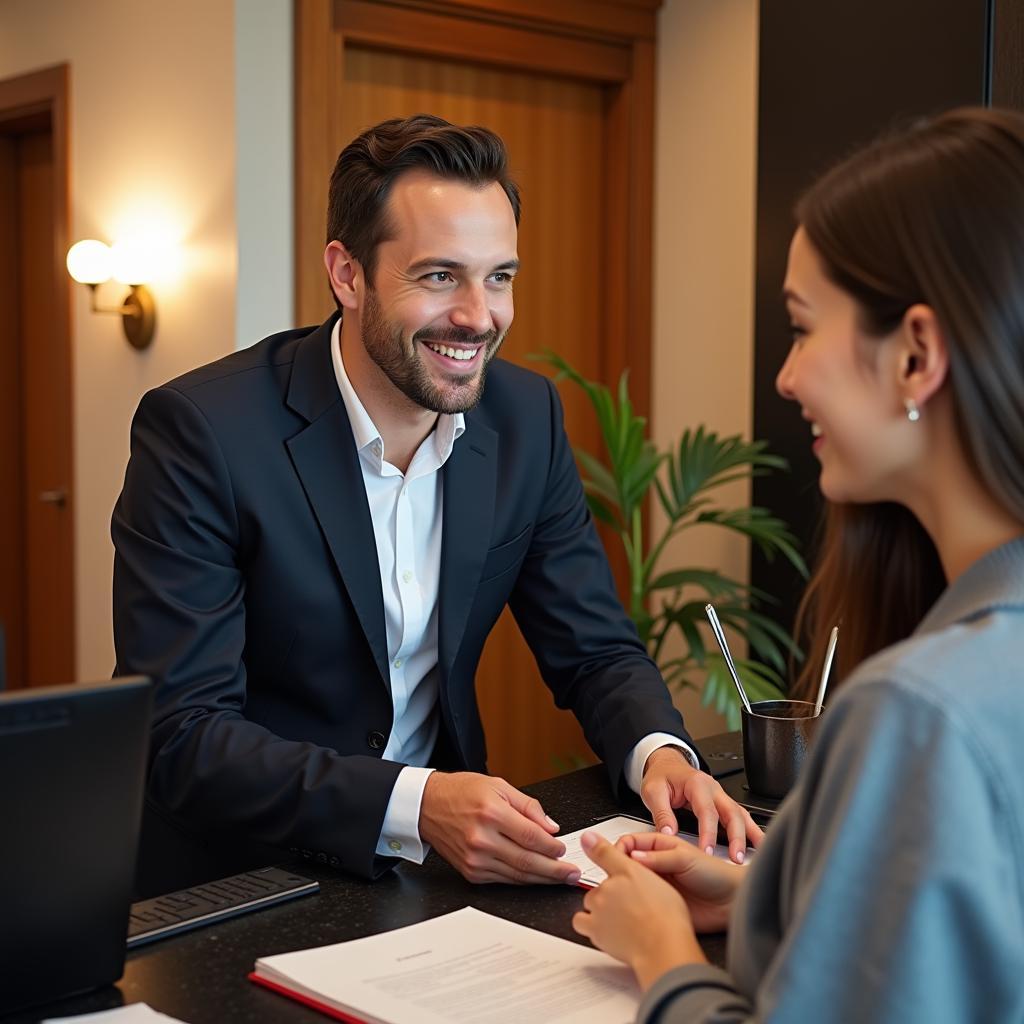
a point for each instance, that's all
(205, 904)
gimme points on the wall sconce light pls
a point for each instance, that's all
(92, 263)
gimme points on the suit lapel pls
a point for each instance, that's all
(327, 463)
(470, 478)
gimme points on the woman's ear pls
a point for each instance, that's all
(344, 273)
(924, 357)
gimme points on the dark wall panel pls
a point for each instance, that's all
(832, 76)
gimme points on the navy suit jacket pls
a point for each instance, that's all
(246, 582)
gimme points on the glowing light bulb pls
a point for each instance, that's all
(89, 261)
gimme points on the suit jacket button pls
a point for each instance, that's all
(376, 740)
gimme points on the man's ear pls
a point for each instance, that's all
(345, 274)
(924, 359)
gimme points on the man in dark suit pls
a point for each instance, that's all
(317, 534)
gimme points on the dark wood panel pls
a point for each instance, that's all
(831, 77)
(12, 554)
(442, 35)
(1007, 50)
(592, 17)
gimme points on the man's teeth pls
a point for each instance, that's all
(454, 353)
(815, 430)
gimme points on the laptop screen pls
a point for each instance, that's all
(72, 769)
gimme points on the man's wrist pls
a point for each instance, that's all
(400, 834)
(670, 750)
(636, 762)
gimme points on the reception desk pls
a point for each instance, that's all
(200, 977)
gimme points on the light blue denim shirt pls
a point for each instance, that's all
(890, 888)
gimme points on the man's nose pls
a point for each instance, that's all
(471, 311)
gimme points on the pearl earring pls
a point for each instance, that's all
(913, 413)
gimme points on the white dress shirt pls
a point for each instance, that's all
(406, 512)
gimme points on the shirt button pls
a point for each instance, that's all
(394, 845)
(407, 576)
(398, 662)
(376, 740)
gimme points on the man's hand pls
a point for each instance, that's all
(708, 884)
(490, 832)
(671, 781)
(636, 916)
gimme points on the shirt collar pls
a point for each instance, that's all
(446, 432)
(994, 581)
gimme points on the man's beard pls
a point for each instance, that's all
(405, 369)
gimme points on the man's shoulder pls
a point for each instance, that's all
(509, 385)
(264, 357)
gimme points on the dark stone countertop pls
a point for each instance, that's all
(200, 977)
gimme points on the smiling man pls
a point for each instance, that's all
(317, 534)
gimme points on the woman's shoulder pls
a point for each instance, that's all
(974, 664)
(947, 704)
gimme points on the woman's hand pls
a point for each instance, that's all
(636, 916)
(707, 884)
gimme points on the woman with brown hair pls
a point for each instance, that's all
(891, 885)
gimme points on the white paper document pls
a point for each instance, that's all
(611, 828)
(466, 967)
(134, 1013)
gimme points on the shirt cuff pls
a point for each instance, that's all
(400, 834)
(637, 758)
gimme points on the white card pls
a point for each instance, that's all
(611, 828)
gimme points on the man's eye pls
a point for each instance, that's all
(439, 277)
(501, 277)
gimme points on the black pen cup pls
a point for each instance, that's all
(776, 736)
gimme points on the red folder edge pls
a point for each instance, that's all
(306, 1000)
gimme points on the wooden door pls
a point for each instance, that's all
(566, 134)
(36, 524)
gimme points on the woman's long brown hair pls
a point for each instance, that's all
(933, 215)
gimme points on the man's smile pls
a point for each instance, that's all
(460, 354)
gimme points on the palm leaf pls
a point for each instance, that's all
(617, 484)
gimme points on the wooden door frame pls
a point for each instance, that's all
(608, 42)
(46, 91)
(1005, 86)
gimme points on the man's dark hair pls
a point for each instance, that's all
(369, 165)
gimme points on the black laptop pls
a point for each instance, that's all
(72, 768)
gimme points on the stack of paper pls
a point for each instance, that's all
(462, 968)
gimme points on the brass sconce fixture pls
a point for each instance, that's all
(92, 263)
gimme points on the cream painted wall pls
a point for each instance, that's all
(152, 139)
(705, 180)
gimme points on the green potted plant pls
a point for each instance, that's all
(664, 601)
